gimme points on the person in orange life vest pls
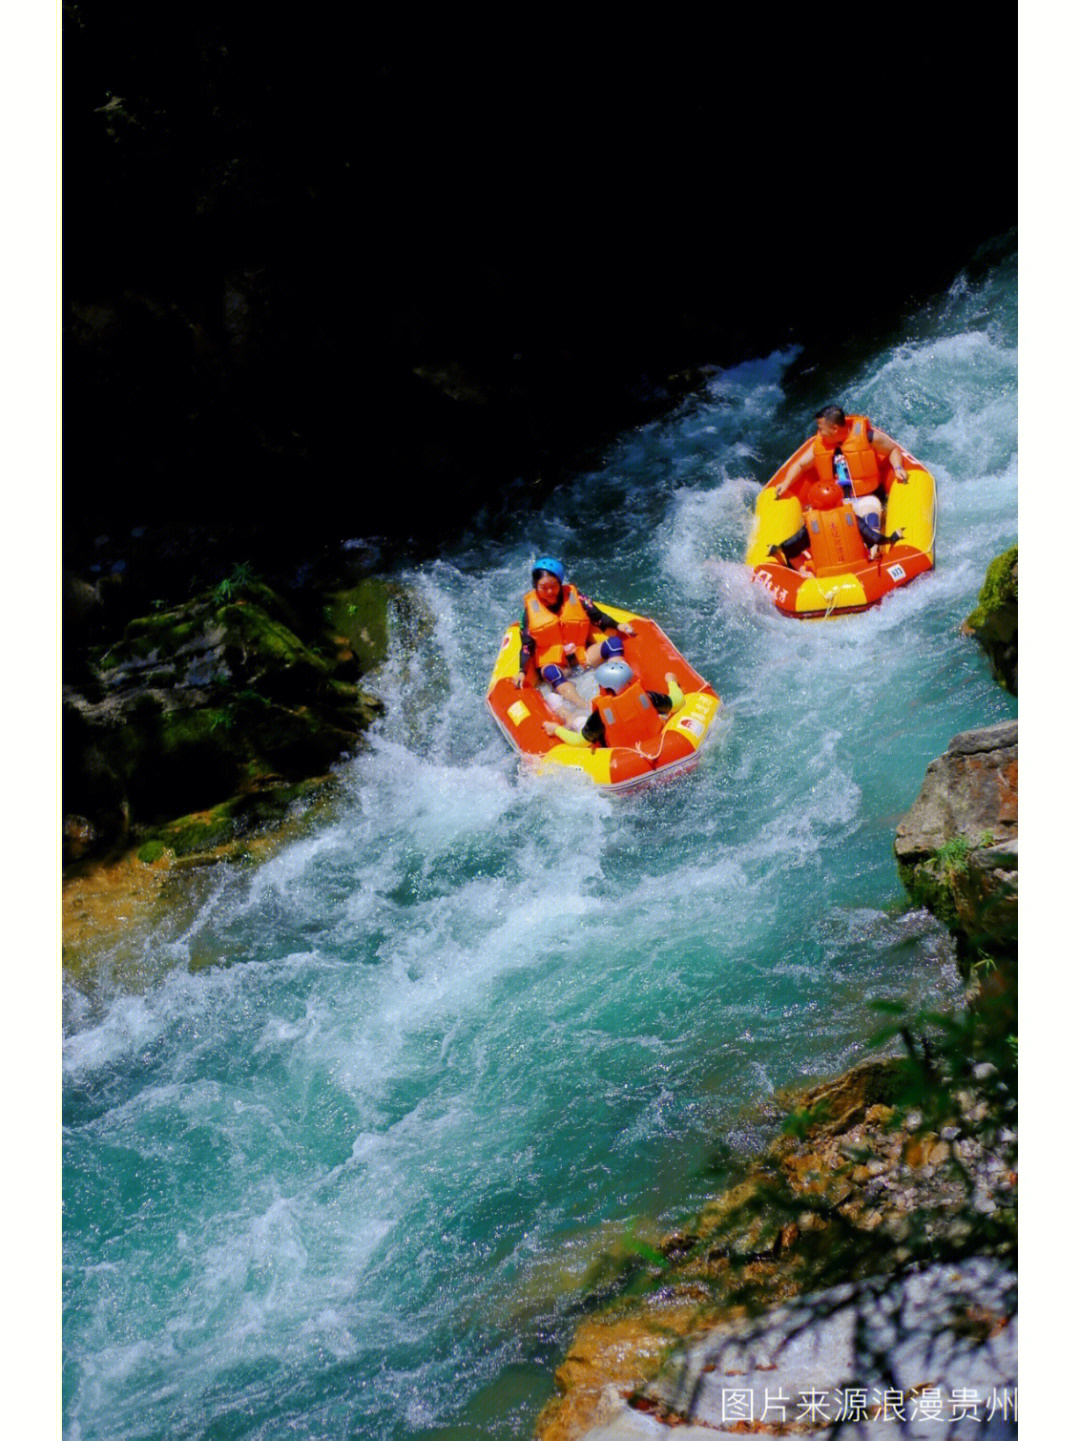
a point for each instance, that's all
(827, 495)
(555, 629)
(623, 714)
(854, 438)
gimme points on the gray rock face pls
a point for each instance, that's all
(936, 1351)
(957, 845)
(968, 791)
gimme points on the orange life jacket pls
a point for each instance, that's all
(861, 456)
(630, 719)
(835, 542)
(552, 630)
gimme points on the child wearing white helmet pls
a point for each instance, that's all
(623, 713)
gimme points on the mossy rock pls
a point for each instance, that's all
(930, 887)
(195, 701)
(240, 815)
(994, 621)
(358, 617)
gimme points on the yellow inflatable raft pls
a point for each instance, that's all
(521, 713)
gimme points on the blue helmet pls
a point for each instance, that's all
(614, 675)
(552, 566)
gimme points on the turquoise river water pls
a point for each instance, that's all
(346, 1136)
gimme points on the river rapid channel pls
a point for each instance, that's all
(345, 1138)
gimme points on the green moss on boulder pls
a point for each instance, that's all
(357, 622)
(994, 620)
(199, 706)
(241, 815)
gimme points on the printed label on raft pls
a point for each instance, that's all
(518, 711)
(778, 593)
(691, 724)
(897, 572)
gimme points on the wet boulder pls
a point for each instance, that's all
(994, 620)
(957, 845)
(196, 706)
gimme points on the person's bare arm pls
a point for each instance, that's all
(886, 446)
(794, 470)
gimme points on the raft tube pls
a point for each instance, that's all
(911, 508)
(521, 713)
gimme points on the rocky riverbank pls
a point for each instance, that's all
(957, 846)
(894, 1166)
(203, 728)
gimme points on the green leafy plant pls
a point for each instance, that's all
(952, 857)
(241, 575)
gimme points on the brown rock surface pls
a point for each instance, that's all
(893, 1184)
(957, 845)
(968, 791)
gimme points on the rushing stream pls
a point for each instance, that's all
(347, 1136)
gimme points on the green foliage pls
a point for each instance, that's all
(800, 1122)
(952, 857)
(239, 578)
(994, 620)
(152, 851)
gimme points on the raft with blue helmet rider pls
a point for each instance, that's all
(597, 689)
(833, 542)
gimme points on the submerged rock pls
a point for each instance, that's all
(957, 845)
(994, 621)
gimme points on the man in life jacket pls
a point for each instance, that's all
(555, 628)
(623, 714)
(832, 531)
(849, 450)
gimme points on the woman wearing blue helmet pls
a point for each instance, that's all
(555, 628)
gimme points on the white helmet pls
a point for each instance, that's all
(614, 675)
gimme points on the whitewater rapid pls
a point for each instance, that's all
(347, 1136)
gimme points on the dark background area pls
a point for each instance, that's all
(329, 278)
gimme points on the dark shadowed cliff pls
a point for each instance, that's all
(337, 275)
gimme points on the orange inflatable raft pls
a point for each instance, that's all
(854, 578)
(521, 713)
